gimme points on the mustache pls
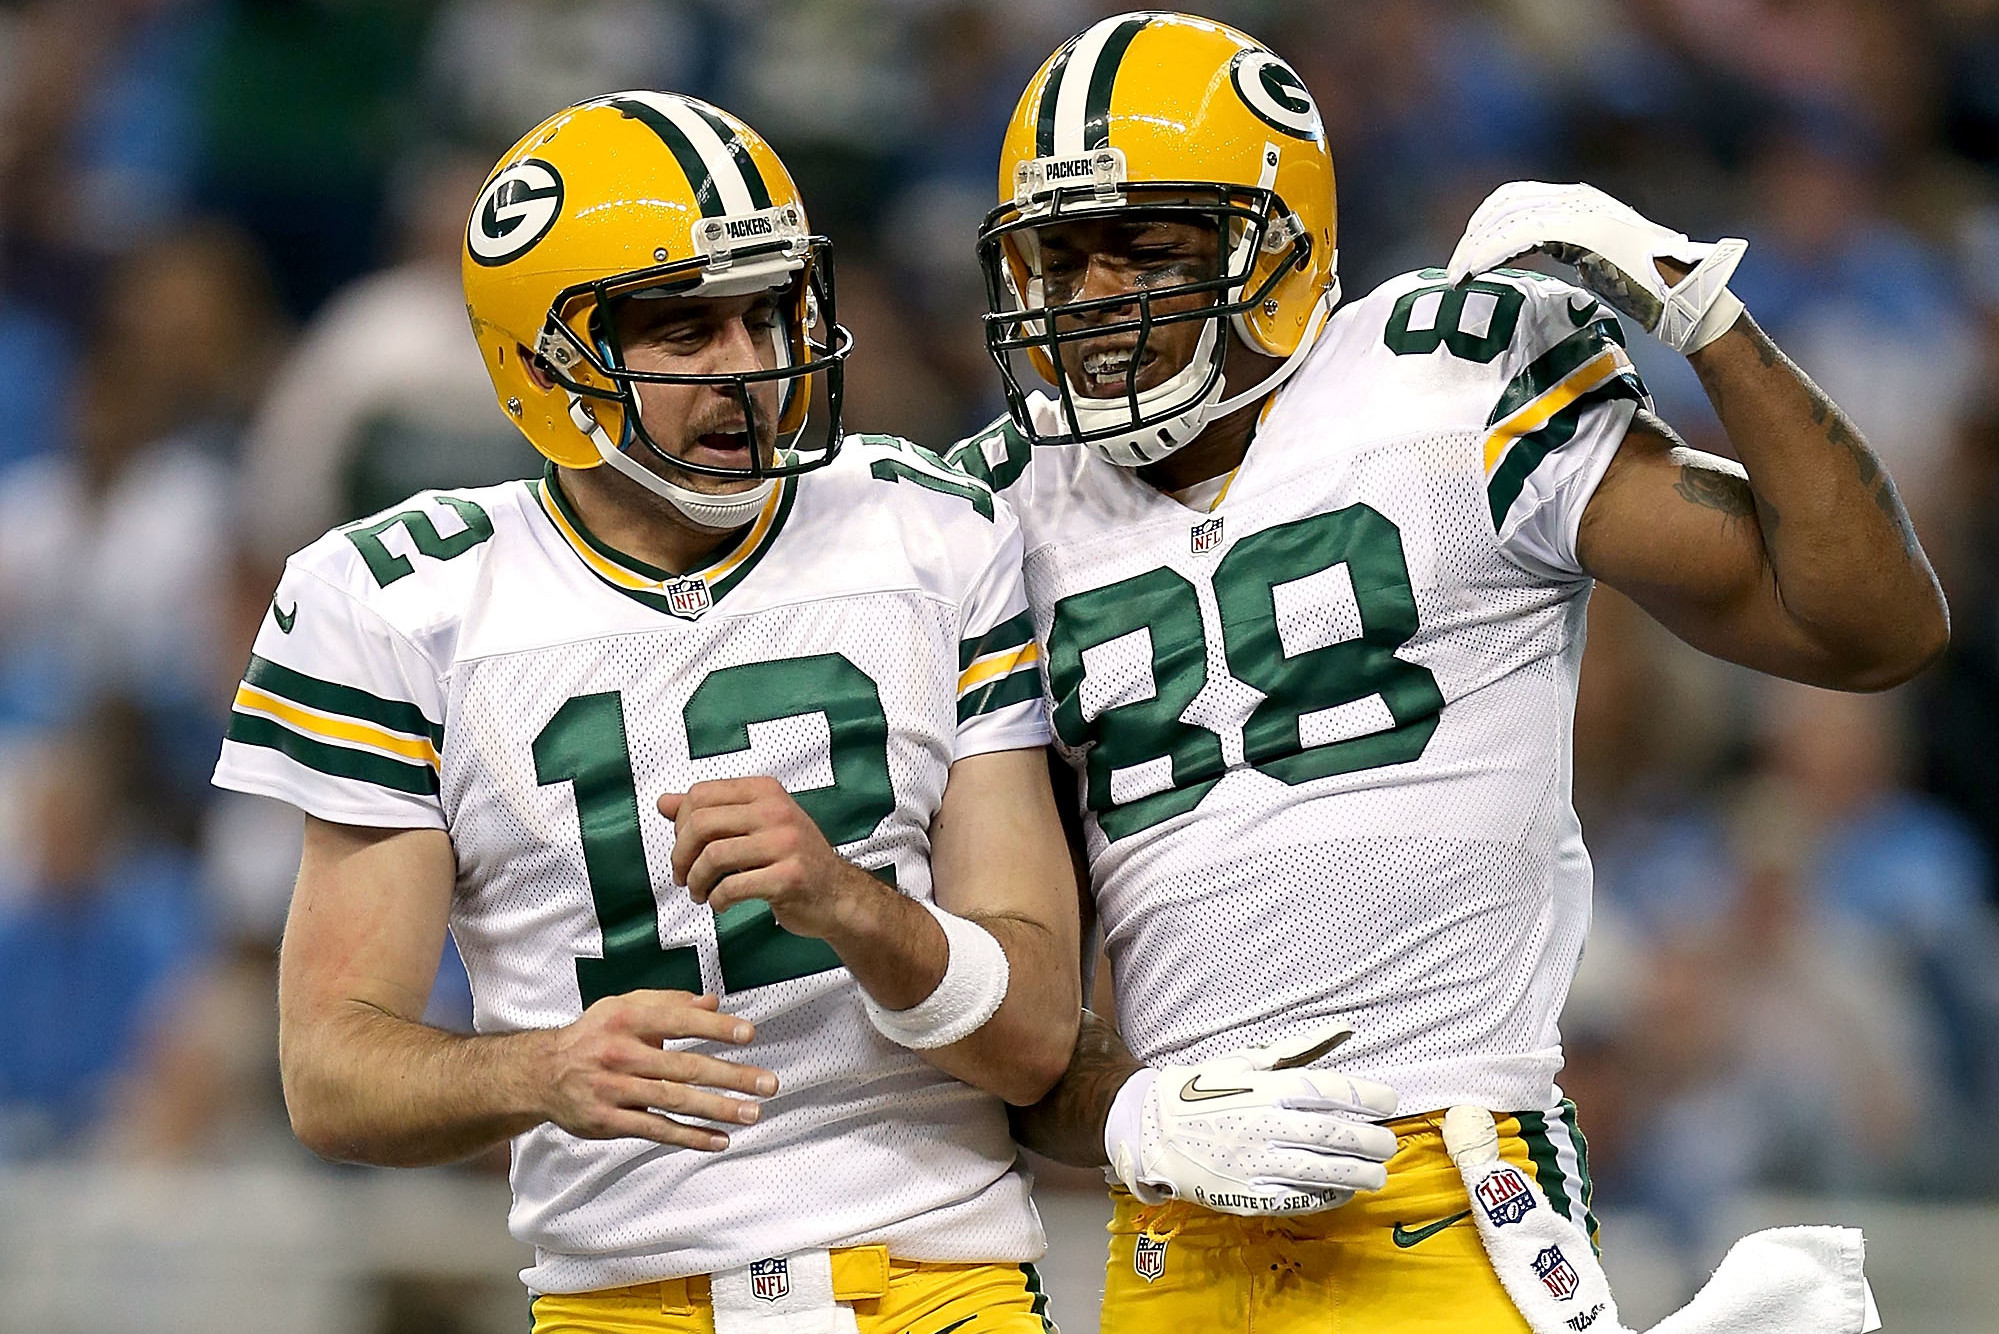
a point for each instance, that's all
(728, 419)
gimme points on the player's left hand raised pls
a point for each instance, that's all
(1616, 252)
(747, 838)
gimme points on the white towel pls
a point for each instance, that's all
(1789, 1278)
(1794, 1280)
(785, 1294)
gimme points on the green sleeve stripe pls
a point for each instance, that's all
(1528, 451)
(329, 697)
(1016, 687)
(1556, 365)
(970, 456)
(1547, 1168)
(338, 761)
(1009, 633)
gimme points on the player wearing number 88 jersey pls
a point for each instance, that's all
(1345, 722)
(1310, 581)
(723, 760)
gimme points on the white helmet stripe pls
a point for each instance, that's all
(1072, 99)
(721, 162)
(715, 154)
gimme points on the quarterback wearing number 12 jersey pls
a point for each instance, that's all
(480, 663)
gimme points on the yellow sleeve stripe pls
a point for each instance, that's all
(995, 665)
(1531, 417)
(327, 727)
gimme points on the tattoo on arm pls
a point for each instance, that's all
(1068, 1124)
(1716, 491)
(1767, 352)
(1840, 431)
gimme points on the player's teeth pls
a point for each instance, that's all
(1102, 364)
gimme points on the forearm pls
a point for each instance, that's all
(363, 1085)
(1068, 1123)
(898, 954)
(1021, 1051)
(1845, 559)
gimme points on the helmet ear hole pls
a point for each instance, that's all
(536, 368)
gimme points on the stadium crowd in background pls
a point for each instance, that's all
(230, 318)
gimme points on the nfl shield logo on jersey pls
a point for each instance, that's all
(1148, 1258)
(770, 1280)
(688, 598)
(1558, 1276)
(1505, 1196)
(1206, 537)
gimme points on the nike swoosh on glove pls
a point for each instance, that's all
(1253, 1132)
(1798, 1280)
(1613, 248)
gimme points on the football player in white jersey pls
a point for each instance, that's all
(721, 751)
(1310, 585)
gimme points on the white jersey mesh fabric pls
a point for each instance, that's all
(1323, 730)
(564, 703)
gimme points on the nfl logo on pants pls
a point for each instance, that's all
(1557, 1274)
(770, 1279)
(1148, 1258)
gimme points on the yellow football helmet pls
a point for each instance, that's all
(1178, 117)
(635, 195)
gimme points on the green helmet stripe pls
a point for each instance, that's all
(1097, 106)
(1044, 123)
(691, 162)
(739, 153)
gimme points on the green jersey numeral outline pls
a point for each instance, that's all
(586, 745)
(1164, 606)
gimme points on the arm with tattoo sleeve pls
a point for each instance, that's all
(1068, 1124)
(1800, 562)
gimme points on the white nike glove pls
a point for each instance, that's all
(1252, 1132)
(1613, 248)
(1800, 1280)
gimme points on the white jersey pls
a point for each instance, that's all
(1323, 728)
(479, 663)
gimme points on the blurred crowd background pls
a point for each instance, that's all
(230, 318)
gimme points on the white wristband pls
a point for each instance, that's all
(1720, 318)
(969, 993)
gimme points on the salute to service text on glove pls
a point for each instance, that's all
(1253, 1132)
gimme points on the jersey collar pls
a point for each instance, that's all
(649, 584)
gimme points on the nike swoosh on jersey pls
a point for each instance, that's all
(957, 1324)
(282, 617)
(1581, 317)
(1407, 1237)
(1191, 1091)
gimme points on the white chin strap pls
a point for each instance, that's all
(1203, 402)
(715, 513)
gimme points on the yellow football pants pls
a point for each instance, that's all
(888, 1297)
(1405, 1260)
